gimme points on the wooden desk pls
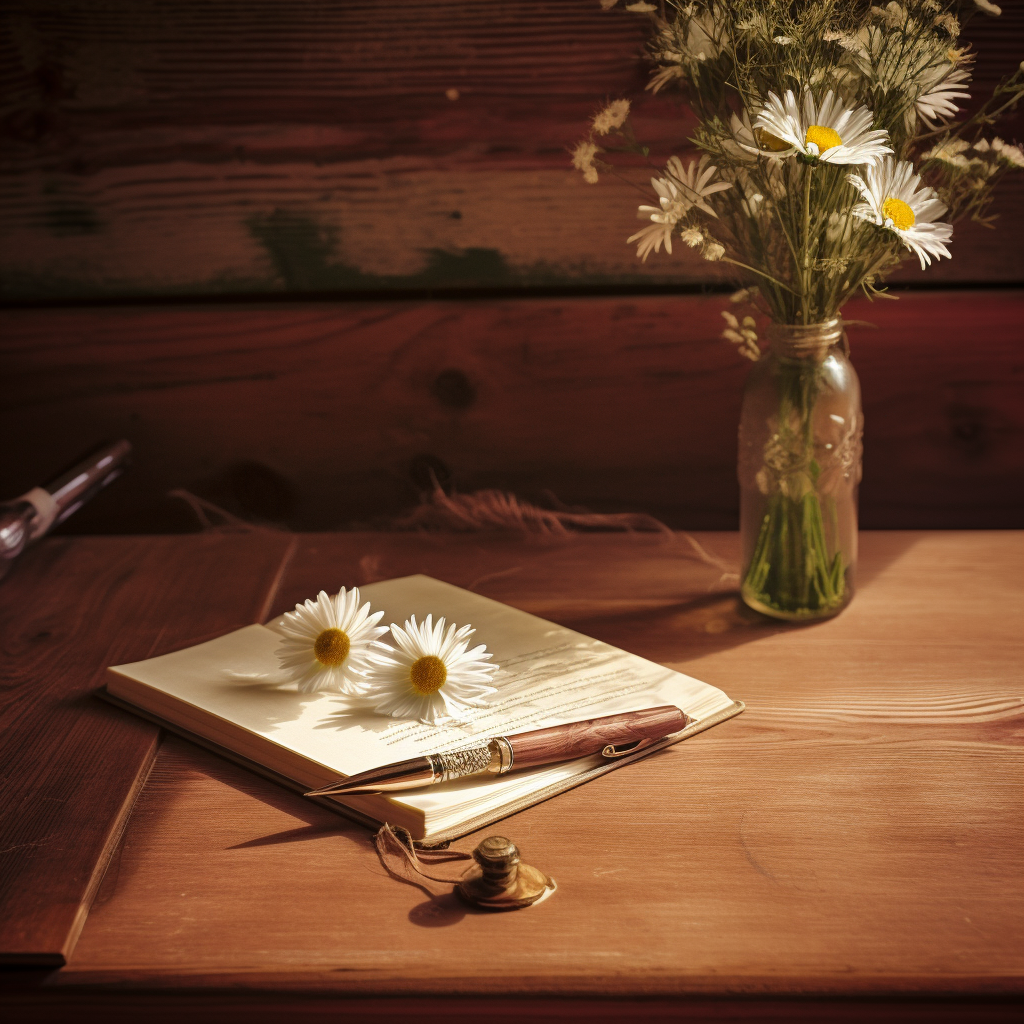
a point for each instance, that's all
(855, 835)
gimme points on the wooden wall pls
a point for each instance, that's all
(304, 253)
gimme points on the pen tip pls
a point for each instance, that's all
(342, 788)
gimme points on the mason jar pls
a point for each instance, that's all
(799, 468)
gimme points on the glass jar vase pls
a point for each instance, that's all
(799, 467)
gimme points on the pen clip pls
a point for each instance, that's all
(614, 750)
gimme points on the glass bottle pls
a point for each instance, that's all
(799, 467)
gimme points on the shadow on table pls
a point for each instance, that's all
(178, 759)
(703, 623)
(442, 911)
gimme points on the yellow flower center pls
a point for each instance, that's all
(824, 138)
(773, 142)
(331, 647)
(428, 674)
(901, 215)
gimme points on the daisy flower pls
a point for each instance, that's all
(660, 77)
(751, 198)
(695, 181)
(743, 144)
(703, 32)
(653, 237)
(846, 41)
(683, 189)
(432, 676)
(935, 101)
(328, 642)
(893, 201)
(830, 133)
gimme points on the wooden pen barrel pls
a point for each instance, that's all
(564, 742)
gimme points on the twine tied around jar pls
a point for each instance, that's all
(800, 341)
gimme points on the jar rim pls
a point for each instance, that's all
(799, 340)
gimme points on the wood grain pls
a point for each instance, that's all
(301, 145)
(72, 766)
(320, 415)
(855, 833)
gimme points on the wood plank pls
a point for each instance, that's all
(319, 415)
(309, 146)
(857, 832)
(269, 1007)
(71, 765)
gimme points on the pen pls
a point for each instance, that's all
(613, 736)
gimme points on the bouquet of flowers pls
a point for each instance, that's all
(830, 152)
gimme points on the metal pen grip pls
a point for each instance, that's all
(74, 488)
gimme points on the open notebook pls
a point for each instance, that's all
(227, 695)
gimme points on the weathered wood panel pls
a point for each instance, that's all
(225, 147)
(72, 766)
(315, 416)
(856, 832)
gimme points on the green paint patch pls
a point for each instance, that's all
(302, 252)
(466, 267)
(304, 258)
(304, 255)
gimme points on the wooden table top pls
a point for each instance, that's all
(857, 832)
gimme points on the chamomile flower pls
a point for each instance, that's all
(611, 117)
(713, 251)
(432, 675)
(893, 201)
(950, 152)
(692, 236)
(328, 642)
(1013, 155)
(682, 189)
(829, 132)
(583, 160)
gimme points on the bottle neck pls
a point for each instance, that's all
(805, 341)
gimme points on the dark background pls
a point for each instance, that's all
(309, 257)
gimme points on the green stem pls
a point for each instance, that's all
(806, 275)
(754, 270)
(794, 568)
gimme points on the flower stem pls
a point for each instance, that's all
(797, 568)
(806, 275)
(754, 270)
